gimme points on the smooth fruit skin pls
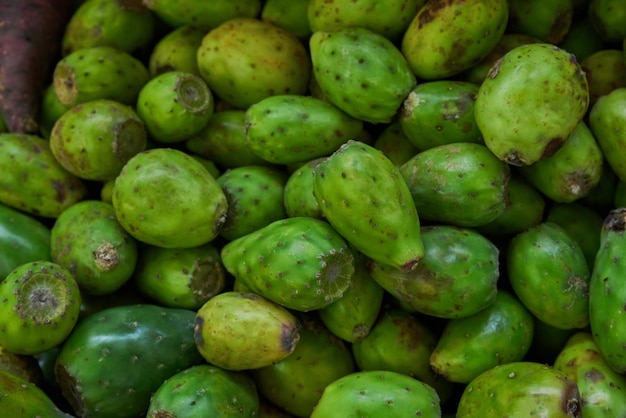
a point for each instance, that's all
(607, 292)
(364, 197)
(378, 393)
(606, 121)
(164, 197)
(23, 399)
(242, 330)
(205, 390)
(542, 82)
(116, 358)
(39, 308)
(176, 51)
(601, 388)
(520, 389)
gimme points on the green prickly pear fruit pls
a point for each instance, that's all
(33, 181)
(245, 60)
(166, 198)
(364, 197)
(113, 23)
(242, 330)
(180, 277)
(223, 141)
(375, 393)
(549, 22)
(519, 389)
(205, 15)
(401, 342)
(352, 316)
(99, 72)
(291, 15)
(501, 333)
(115, 359)
(23, 238)
(548, 341)
(23, 399)
(607, 292)
(607, 18)
(95, 139)
(205, 390)
(285, 129)
(440, 112)
(539, 80)
(89, 241)
(457, 277)
(461, 184)
(175, 106)
(582, 39)
(606, 71)
(51, 109)
(601, 197)
(601, 388)
(176, 51)
(446, 38)
(343, 63)
(547, 250)
(255, 198)
(389, 18)
(571, 172)
(296, 383)
(39, 308)
(607, 119)
(301, 263)
(298, 197)
(525, 208)
(394, 143)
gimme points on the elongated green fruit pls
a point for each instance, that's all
(365, 198)
(301, 263)
(607, 291)
(23, 399)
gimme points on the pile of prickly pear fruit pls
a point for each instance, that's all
(327, 209)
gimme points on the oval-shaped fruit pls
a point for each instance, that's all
(607, 121)
(24, 399)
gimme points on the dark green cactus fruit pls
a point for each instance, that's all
(549, 22)
(501, 333)
(88, 240)
(296, 383)
(389, 18)
(99, 72)
(394, 143)
(23, 238)
(376, 394)
(39, 308)
(520, 389)
(548, 341)
(291, 15)
(582, 39)
(457, 277)
(401, 342)
(607, 292)
(461, 184)
(50, 110)
(124, 25)
(22, 399)
(548, 251)
(180, 277)
(352, 316)
(606, 71)
(542, 82)
(174, 106)
(601, 197)
(94, 140)
(115, 359)
(301, 263)
(298, 197)
(223, 140)
(364, 197)
(242, 330)
(205, 15)
(33, 180)
(285, 129)
(205, 390)
(447, 37)
(608, 18)
(255, 198)
(440, 112)
(176, 51)
(606, 121)
(343, 63)
(245, 60)
(166, 198)
(525, 207)
(571, 172)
